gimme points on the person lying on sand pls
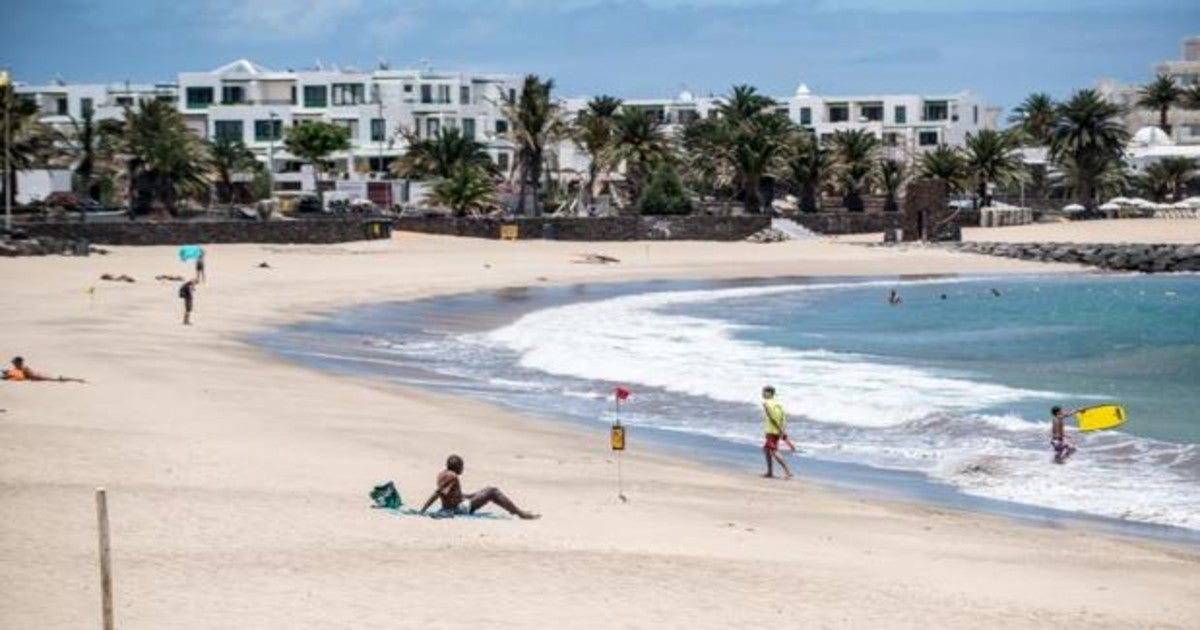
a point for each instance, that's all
(455, 502)
(121, 278)
(21, 372)
(594, 259)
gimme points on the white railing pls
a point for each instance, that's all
(997, 217)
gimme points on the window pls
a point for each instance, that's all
(936, 110)
(806, 116)
(349, 94)
(267, 130)
(825, 139)
(975, 115)
(316, 96)
(432, 125)
(512, 95)
(125, 101)
(1193, 130)
(426, 93)
(408, 88)
(60, 106)
(378, 130)
(872, 112)
(165, 98)
(687, 116)
(197, 97)
(443, 94)
(502, 161)
(927, 138)
(501, 127)
(232, 94)
(350, 124)
(783, 111)
(468, 128)
(86, 105)
(839, 113)
(464, 94)
(227, 129)
(901, 114)
(891, 139)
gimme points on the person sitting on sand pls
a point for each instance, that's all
(454, 501)
(21, 372)
(775, 429)
(1058, 436)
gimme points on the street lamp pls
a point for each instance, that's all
(272, 116)
(6, 85)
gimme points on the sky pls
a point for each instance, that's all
(1002, 50)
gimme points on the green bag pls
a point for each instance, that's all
(386, 496)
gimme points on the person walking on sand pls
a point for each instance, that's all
(454, 501)
(187, 292)
(1063, 449)
(200, 277)
(775, 429)
(21, 372)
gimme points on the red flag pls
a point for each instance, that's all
(621, 393)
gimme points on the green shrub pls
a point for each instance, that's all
(665, 194)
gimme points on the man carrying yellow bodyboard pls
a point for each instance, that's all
(775, 428)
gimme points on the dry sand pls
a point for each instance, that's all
(237, 482)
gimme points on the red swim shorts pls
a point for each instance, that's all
(772, 443)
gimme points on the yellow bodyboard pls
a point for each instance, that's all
(1100, 417)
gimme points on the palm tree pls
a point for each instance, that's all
(1088, 134)
(892, 174)
(992, 158)
(808, 167)
(1034, 117)
(639, 144)
(947, 164)
(758, 152)
(1109, 179)
(314, 142)
(166, 161)
(465, 189)
(230, 156)
(1191, 95)
(594, 134)
(442, 155)
(705, 143)
(1173, 173)
(854, 153)
(1160, 94)
(31, 143)
(744, 103)
(534, 124)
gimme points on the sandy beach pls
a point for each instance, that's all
(237, 482)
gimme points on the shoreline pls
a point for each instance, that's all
(237, 482)
(864, 480)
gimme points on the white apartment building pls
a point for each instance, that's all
(62, 104)
(1185, 123)
(246, 101)
(906, 124)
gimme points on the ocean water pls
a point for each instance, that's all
(953, 386)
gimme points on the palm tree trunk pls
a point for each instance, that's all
(1162, 120)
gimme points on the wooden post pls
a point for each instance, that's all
(105, 568)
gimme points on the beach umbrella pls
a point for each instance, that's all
(1193, 202)
(1074, 208)
(1121, 201)
(1110, 206)
(190, 252)
(1142, 203)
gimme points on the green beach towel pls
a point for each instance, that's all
(386, 496)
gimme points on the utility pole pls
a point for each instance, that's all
(6, 85)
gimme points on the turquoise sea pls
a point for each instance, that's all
(951, 388)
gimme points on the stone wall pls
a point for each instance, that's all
(1120, 256)
(636, 228)
(186, 232)
(842, 222)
